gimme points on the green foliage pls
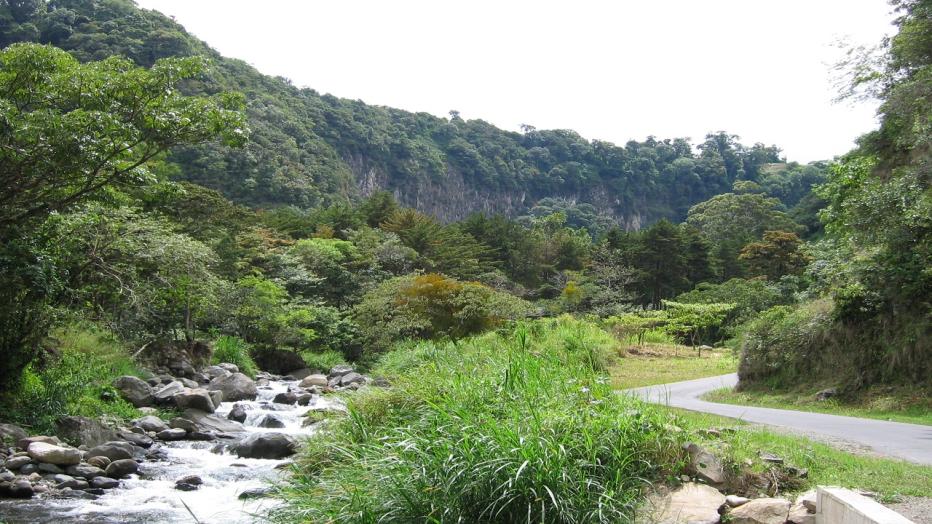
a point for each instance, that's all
(750, 297)
(234, 350)
(493, 429)
(324, 360)
(431, 306)
(695, 323)
(777, 254)
(75, 380)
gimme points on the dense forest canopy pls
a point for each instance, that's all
(309, 149)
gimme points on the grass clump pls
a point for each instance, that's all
(234, 350)
(520, 426)
(74, 380)
(323, 360)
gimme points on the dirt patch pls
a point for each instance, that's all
(916, 509)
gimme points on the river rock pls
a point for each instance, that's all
(134, 390)
(705, 465)
(691, 502)
(28, 469)
(121, 468)
(15, 463)
(271, 421)
(232, 368)
(10, 433)
(6, 476)
(800, 515)
(237, 413)
(104, 483)
(266, 446)
(197, 398)
(113, 450)
(49, 468)
(236, 386)
(352, 378)
(734, 501)
(99, 461)
(183, 423)
(172, 434)
(302, 373)
(255, 493)
(67, 481)
(339, 371)
(85, 431)
(20, 489)
(85, 471)
(52, 454)
(313, 380)
(143, 441)
(216, 397)
(287, 397)
(207, 422)
(166, 393)
(761, 511)
(25, 442)
(213, 372)
(188, 483)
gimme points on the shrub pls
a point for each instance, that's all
(432, 306)
(515, 427)
(234, 351)
(750, 297)
(76, 381)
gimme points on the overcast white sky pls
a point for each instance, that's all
(611, 70)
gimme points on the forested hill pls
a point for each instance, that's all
(307, 149)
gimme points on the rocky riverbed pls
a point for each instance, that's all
(212, 463)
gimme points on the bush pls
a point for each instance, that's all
(750, 297)
(234, 351)
(785, 342)
(76, 381)
(432, 306)
(520, 427)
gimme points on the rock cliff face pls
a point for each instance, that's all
(452, 197)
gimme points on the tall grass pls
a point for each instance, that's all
(234, 350)
(514, 427)
(75, 381)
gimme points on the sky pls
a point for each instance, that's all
(610, 70)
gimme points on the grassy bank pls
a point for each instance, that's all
(497, 428)
(898, 405)
(660, 363)
(825, 464)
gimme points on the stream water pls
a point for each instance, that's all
(151, 497)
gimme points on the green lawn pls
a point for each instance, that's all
(651, 364)
(826, 465)
(898, 406)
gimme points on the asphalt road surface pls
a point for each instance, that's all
(912, 442)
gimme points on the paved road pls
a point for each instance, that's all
(912, 442)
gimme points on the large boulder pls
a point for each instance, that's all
(114, 450)
(213, 372)
(761, 511)
(24, 443)
(150, 423)
(316, 379)
(690, 503)
(85, 431)
(206, 422)
(166, 393)
(278, 361)
(84, 471)
(352, 378)
(198, 398)
(271, 421)
(339, 371)
(236, 386)
(266, 446)
(52, 454)
(135, 390)
(10, 433)
(122, 468)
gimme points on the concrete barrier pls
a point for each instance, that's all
(843, 506)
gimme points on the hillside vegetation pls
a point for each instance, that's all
(309, 149)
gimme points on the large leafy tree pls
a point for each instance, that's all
(69, 132)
